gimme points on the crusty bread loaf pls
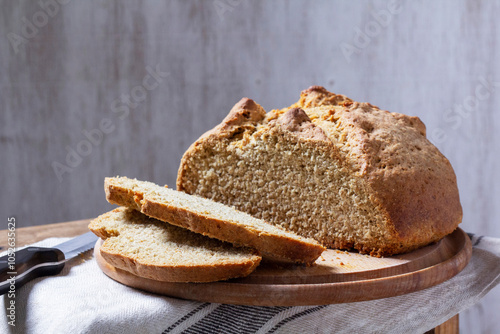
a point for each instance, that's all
(212, 219)
(344, 173)
(153, 249)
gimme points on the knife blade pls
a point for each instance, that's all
(18, 268)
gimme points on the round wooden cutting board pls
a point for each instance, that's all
(336, 277)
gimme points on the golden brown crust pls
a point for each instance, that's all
(245, 114)
(296, 121)
(124, 197)
(245, 111)
(276, 246)
(180, 273)
(316, 96)
(410, 182)
(270, 245)
(167, 272)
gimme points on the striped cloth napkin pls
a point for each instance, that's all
(83, 300)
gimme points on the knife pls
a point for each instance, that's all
(18, 268)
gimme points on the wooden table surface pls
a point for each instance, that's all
(29, 235)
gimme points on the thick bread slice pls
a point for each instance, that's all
(347, 174)
(150, 248)
(212, 219)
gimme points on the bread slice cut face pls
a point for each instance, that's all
(153, 249)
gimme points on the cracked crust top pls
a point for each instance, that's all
(411, 180)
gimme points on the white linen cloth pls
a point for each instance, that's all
(81, 299)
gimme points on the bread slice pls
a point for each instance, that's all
(347, 174)
(212, 219)
(153, 249)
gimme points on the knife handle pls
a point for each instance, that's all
(27, 264)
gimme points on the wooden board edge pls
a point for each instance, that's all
(291, 294)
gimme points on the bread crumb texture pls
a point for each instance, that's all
(153, 249)
(213, 219)
(347, 174)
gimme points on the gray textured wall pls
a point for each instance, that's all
(83, 69)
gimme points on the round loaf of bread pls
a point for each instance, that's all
(347, 174)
